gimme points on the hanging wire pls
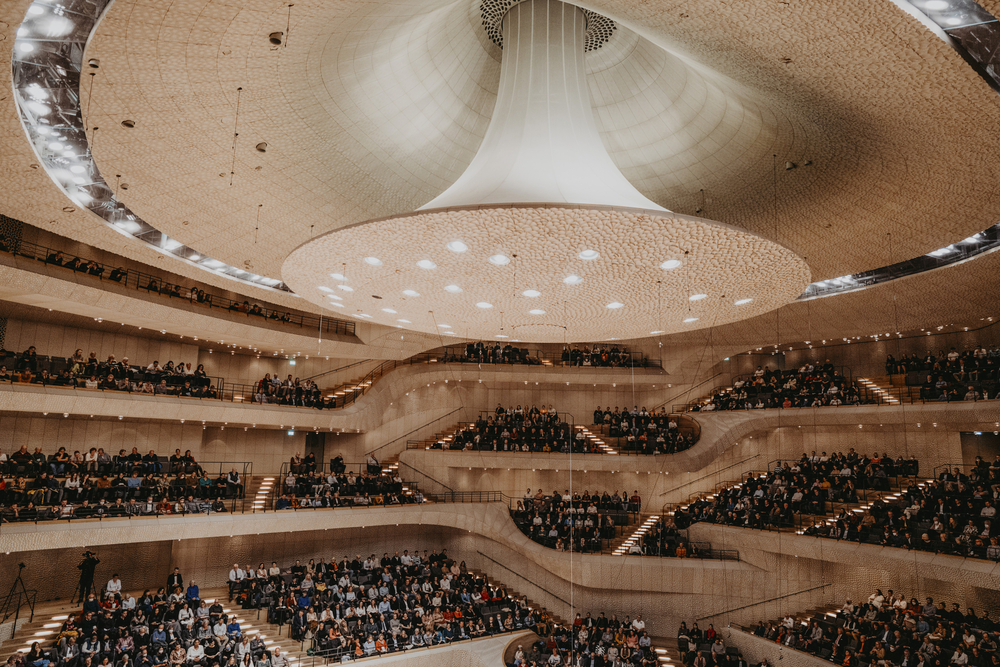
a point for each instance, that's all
(236, 133)
(90, 95)
(257, 227)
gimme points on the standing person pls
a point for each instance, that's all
(87, 568)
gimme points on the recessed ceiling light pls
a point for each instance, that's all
(404, 321)
(589, 254)
(531, 293)
(670, 264)
(445, 326)
(24, 47)
(426, 264)
(936, 5)
(573, 279)
(500, 336)
(454, 289)
(697, 297)
(483, 304)
(615, 305)
(335, 303)
(743, 301)
(388, 310)
(500, 260)
(374, 261)
(536, 311)
(656, 332)
(690, 320)
(457, 246)
(338, 276)
(365, 315)
(450, 333)
(346, 288)
(409, 292)
(36, 10)
(323, 288)
(335, 297)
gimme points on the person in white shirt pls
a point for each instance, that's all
(196, 653)
(236, 575)
(277, 659)
(114, 586)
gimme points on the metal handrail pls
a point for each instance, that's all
(521, 575)
(441, 484)
(407, 444)
(142, 281)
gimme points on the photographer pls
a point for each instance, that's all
(87, 568)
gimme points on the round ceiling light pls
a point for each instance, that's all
(483, 304)
(500, 260)
(536, 311)
(445, 326)
(656, 332)
(743, 302)
(410, 292)
(589, 255)
(374, 261)
(457, 246)
(454, 289)
(615, 305)
(338, 276)
(426, 264)
(573, 279)
(670, 264)
(697, 297)
(335, 303)
(323, 288)
(500, 336)
(404, 321)
(936, 5)
(389, 310)
(531, 293)
(334, 297)
(689, 320)
(365, 315)
(346, 288)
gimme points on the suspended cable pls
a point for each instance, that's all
(236, 133)
(257, 227)
(90, 96)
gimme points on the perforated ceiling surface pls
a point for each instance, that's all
(372, 109)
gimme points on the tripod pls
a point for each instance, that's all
(18, 583)
(86, 567)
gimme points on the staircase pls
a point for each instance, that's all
(890, 388)
(441, 439)
(620, 545)
(258, 491)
